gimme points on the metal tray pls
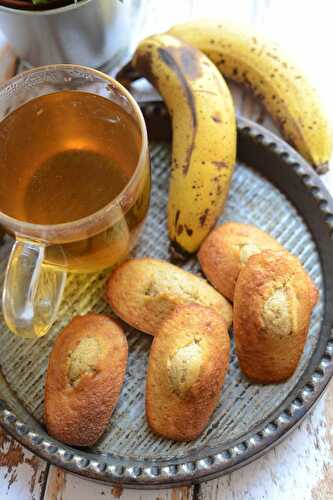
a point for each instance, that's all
(274, 188)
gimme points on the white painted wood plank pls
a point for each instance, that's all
(22, 474)
(65, 486)
(301, 467)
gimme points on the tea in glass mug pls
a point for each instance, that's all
(75, 187)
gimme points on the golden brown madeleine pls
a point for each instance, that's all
(86, 371)
(187, 364)
(227, 249)
(272, 309)
(144, 292)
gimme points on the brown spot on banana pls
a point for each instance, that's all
(177, 217)
(188, 230)
(180, 229)
(203, 217)
(216, 117)
(220, 164)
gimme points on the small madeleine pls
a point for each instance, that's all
(273, 303)
(187, 364)
(144, 292)
(227, 249)
(86, 371)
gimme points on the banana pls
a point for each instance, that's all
(203, 135)
(246, 58)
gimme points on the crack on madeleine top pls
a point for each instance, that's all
(247, 250)
(184, 367)
(83, 359)
(280, 311)
(151, 290)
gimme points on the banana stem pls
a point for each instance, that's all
(127, 74)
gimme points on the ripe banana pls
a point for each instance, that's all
(204, 135)
(249, 59)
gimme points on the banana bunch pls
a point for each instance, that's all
(203, 119)
(203, 135)
(260, 65)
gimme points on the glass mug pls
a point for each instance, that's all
(63, 154)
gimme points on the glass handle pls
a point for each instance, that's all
(32, 293)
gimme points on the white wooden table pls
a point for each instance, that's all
(301, 467)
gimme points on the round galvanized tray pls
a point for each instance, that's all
(274, 188)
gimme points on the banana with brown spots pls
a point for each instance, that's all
(204, 135)
(249, 59)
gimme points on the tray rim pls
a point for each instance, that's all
(170, 473)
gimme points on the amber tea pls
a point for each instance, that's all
(65, 156)
(75, 184)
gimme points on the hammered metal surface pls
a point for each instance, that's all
(243, 405)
